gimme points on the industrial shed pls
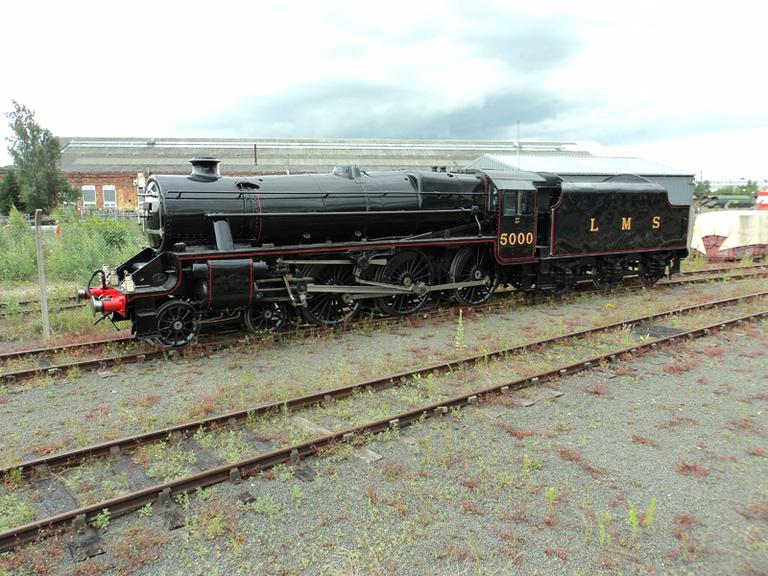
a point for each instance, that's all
(108, 170)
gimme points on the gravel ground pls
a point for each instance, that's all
(686, 427)
(45, 416)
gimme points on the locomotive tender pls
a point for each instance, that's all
(322, 245)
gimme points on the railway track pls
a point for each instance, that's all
(27, 307)
(70, 302)
(147, 351)
(41, 469)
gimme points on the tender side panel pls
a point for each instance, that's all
(606, 221)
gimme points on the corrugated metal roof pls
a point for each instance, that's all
(565, 164)
(272, 155)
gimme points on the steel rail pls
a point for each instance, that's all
(79, 455)
(119, 506)
(26, 310)
(55, 349)
(92, 364)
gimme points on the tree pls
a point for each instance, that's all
(703, 188)
(10, 193)
(69, 194)
(747, 189)
(35, 152)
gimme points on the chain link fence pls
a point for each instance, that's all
(73, 246)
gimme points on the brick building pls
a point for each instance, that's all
(108, 171)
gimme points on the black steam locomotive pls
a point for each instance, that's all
(322, 246)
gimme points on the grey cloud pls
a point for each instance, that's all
(362, 110)
(526, 47)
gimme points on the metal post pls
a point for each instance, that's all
(41, 275)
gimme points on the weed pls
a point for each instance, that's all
(557, 552)
(146, 400)
(471, 507)
(599, 389)
(74, 373)
(571, 455)
(215, 520)
(740, 424)
(470, 484)
(283, 472)
(650, 513)
(530, 463)
(264, 504)
(623, 372)
(164, 462)
(603, 520)
(638, 439)
(373, 496)
(298, 495)
(551, 498)
(632, 520)
(515, 432)
(14, 512)
(680, 366)
(101, 520)
(675, 422)
(683, 532)
(691, 468)
(759, 511)
(13, 477)
(714, 351)
(146, 510)
(458, 338)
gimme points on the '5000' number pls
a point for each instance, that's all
(510, 238)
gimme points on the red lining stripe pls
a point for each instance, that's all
(250, 281)
(210, 284)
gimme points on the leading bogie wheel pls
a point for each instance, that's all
(410, 269)
(178, 323)
(473, 264)
(265, 317)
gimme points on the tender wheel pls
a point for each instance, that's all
(650, 271)
(473, 264)
(325, 308)
(522, 278)
(563, 280)
(609, 274)
(410, 268)
(266, 317)
(178, 323)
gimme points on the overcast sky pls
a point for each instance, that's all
(682, 83)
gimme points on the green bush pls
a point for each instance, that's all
(17, 249)
(83, 246)
(87, 245)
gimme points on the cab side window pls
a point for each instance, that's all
(518, 203)
(510, 203)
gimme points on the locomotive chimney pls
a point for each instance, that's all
(205, 169)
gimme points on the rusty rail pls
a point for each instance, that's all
(124, 504)
(80, 455)
(96, 363)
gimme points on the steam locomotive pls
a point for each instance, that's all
(321, 246)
